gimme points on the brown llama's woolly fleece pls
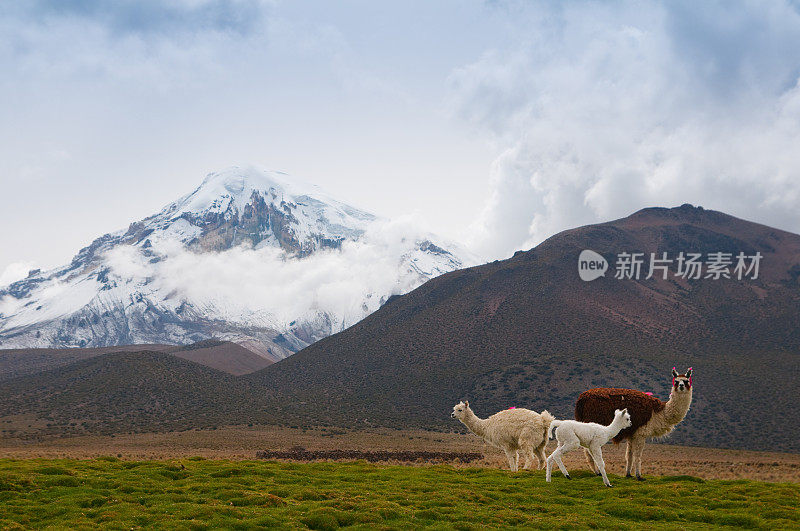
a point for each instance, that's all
(598, 405)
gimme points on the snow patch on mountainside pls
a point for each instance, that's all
(249, 256)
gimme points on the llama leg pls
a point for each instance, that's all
(533, 457)
(530, 456)
(597, 454)
(526, 446)
(540, 454)
(555, 457)
(589, 460)
(525, 453)
(529, 438)
(549, 464)
(567, 447)
(511, 455)
(637, 458)
(629, 458)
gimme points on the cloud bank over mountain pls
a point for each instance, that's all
(607, 107)
(234, 284)
(500, 123)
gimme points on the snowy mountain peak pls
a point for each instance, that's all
(236, 185)
(251, 256)
(257, 207)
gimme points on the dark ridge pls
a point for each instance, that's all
(124, 392)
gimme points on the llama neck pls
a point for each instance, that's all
(678, 405)
(475, 424)
(614, 428)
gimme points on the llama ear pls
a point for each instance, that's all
(689, 372)
(466, 403)
(674, 373)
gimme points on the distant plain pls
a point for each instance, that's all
(242, 443)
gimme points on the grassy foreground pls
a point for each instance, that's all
(110, 493)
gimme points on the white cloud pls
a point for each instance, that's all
(15, 271)
(594, 109)
(606, 108)
(241, 282)
(145, 96)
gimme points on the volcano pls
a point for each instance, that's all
(250, 256)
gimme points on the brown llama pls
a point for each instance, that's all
(650, 416)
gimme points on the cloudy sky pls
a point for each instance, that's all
(494, 123)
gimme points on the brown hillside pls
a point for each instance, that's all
(121, 392)
(221, 355)
(224, 356)
(528, 332)
(25, 361)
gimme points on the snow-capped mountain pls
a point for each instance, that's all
(250, 256)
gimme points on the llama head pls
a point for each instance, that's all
(460, 409)
(622, 415)
(681, 383)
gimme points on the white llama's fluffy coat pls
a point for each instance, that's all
(512, 430)
(572, 434)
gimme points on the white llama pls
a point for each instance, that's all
(572, 434)
(513, 430)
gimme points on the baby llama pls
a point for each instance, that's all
(513, 430)
(650, 416)
(592, 436)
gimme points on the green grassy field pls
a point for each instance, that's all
(110, 493)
